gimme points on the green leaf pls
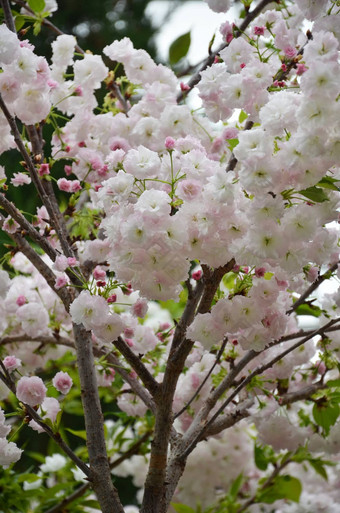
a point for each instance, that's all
(179, 48)
(182, 508)
(284, 487)
(19, 22)
(333, 383)
(232, 143)
(242, 117)
(305, 309)
(229, 280)
(37, 5)
(235, 487)
(30, 478)
(319, 468)
(261, 457)
(79, 433)
(314, 194)
(327, 182)
(326, 414)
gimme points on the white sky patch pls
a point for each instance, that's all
(194, 16)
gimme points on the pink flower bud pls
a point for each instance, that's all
(60, 282)
(197, 275)
(11, 363)
(301, 68)
(72, 261)
(43, 170)
(112, 298)
(127, 291)
(68, 170)
(101, 283)
(184, 87)
(169, 143)
(21, 300)
(78, 91)
(31, 390)
(259, 31)
(260, 272)
(62, 382)
(99, 273)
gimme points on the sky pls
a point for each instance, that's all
(192, 15)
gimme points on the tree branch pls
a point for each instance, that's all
(94, 423)
(148, 380)
(40, 265)
(8, 15)
(260, 369)
(60, 508)
(313, 286)
(28, 227)
(135, 385)
(195, 79)
(212, 279)
(217, 360)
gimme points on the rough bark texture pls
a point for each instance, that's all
(101, 475)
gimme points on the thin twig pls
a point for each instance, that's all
(39, 264)
(210, 59)
(60, 507)
(148, 380)
(266, 484)
(260, 369)
(41, 240)
(217, 360)
(45, 22)
(313, 286)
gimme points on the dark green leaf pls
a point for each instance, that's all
(235, 487)
(315, 194)
(37, 5)
(319, 468)
(284, 487)
(326, 415)
(179, 48)
(305, 309)
(261, 460)
(333, 383)
(327, 182)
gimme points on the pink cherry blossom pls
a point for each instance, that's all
(31, 390)
(11, 363)
(62, 382)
